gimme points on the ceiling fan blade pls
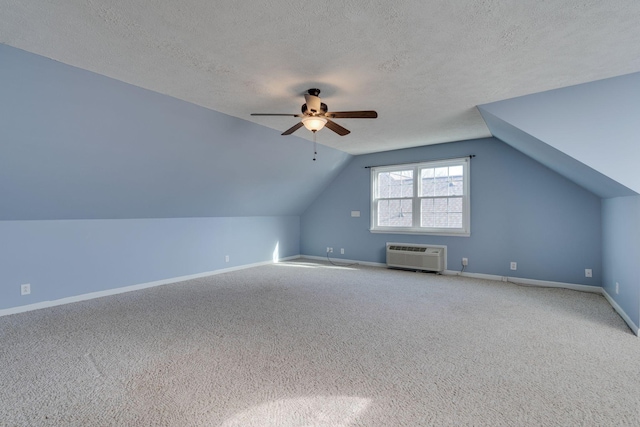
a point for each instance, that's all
(276, 114)
(337, 128)
(370, 114)
(292, 129)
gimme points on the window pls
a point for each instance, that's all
(428, 197)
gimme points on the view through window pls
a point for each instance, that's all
(436, 202)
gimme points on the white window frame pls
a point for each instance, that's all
(465, 230)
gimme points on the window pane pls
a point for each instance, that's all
(440, 205)
(455, 220)
(427, 187)
(455, 171)
(439, 219)
(455, 204)
(395, 184)
(442, 172)
(441, 212)
(441, 186)
(434, 182)
(447, 181)
(456, 186)
(395, 213)
(427, 211)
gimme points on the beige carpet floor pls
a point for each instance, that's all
(309, 344)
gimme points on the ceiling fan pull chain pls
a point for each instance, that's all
(315, 152)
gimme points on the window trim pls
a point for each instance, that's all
(464, 231)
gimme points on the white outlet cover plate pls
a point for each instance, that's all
(355, 214)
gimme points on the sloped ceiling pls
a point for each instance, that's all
(423, 66)
(588, 132)
(78, 145)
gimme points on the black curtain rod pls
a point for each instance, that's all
(421, 161)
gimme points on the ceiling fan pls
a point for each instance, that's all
(315, 115)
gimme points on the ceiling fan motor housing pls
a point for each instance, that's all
(323, 109)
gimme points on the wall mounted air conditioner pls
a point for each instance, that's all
(416, 257)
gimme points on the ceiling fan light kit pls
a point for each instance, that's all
(314, 124)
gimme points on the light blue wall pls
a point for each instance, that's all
(73, 257)
(520, 211)
(78, 145)
(105, 185)
(621, 252)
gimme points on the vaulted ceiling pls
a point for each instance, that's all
(424, 66)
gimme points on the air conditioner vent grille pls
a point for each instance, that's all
(416, 257)
(407, 248)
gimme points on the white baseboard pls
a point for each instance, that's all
(519, 280)
(621, 312)
(115, 291)
(523, 281)
(344, 261)
(543, 283)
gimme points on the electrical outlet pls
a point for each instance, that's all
(25, 289)
(342, 251)
(504, 278)
(588, 272)
(514, 265)
(617, 288)
(465, 261)
(226, 258)
(330, 250)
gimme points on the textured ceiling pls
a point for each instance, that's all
(423, 66)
